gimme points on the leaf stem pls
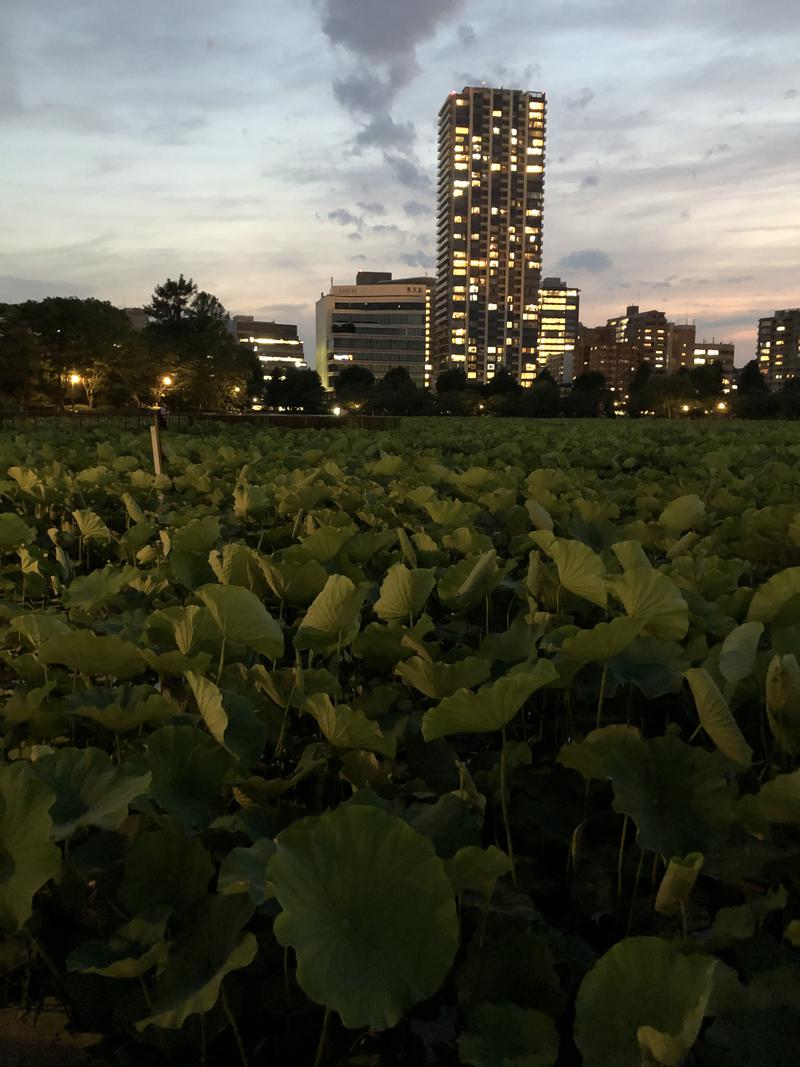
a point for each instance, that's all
(504, 804)
(232, 1023)
(621, 857)
(601, 696)
(323, 1038)
(221, 658)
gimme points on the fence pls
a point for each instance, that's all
(139, 421)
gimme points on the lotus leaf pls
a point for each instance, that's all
(188, 767)
(90, 789)
(477, 868)
(404, 593)
(334, 617)
(347, 727)
(438, 680)
(92, 655)
(13, 532)
(774, 594)
(336, 879)
(591, 757)
(491, 708)
(643, 997)
(469, 582)
(580, 570)
(650, 597)
(683, 513)
(210, 948)
(129, 952)
(738, 654)
(244, 870)
(505, 1035)
(678, 882)
(603, 641)
(297, 583)
(716, 718)
(28, 859)
(783, 702)
(165, 868)
(241, 617)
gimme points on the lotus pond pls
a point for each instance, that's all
(474, 742)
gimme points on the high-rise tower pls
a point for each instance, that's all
(489, 231)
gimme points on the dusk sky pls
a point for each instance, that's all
(263, 147)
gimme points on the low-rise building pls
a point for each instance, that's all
(379, 323)
(779, 346)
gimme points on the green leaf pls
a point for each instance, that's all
(93, 656)
(642, 996)
(404, 593)
(13, 532)
(774, 594)
(678, 882)
(491, 708)
(477, 868)
(591, 757)
(91, 526)
(197, 537)
(630, 554)
(743, 921)
(244, 870)
(738, 654)
(540, 517)
(90, 789)
(505, 1035)
(439, 680)
(334, 618)
(777, 802)
(451, 513)
(716, 718)
(348, 728)
(241, 617)
(654, 600)
(783, 702)
(188, 767)
(87, 594)
(683, 513)
(604, 641)
(580, 570)
(676, 794)
(165, 868)
(210, 948)
(37, 626)
(28, 860)
(469, 582)
(129, 952)
(337, 878)
(297, 583)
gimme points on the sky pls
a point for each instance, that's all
(263, 148)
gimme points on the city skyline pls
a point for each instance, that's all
(148, 142)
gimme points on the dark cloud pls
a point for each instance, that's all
(14, 290)
(467, 36)
(383, 229)
(418, 259)
(371, 207)
(344, 217)
(383, 132)
(501, 75)
(415, 208)
(408, 173)
(717, 150)
(588, 259)
(791, 94)
(365, 93)
(354, 237)
(589, 181)
(582, 100)
(382, 31)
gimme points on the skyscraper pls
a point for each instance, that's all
(558, 330)
(779, 346)
(489, 231)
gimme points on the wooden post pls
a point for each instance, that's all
(155, 440)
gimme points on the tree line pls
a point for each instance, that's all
(65, 351)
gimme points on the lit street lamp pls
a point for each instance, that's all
(74, 379)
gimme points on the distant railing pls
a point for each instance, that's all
(138, 420)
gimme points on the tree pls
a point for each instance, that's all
(452, 380)
(637, 389)
(753, 398)
(502, 383)
(353, 385)
(397, 394)
(542, 398)
(788, 399)
(296, 389)
(88, 338)
(707, 380)
(588, 398)
(188, 336)
(20, 358)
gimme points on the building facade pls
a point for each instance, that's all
(779, 346)
(559, 313)
(490, 202)
(275, 344)
(600, 351)
(379, 323)
(647, 332)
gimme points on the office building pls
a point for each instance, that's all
(489, 231)
(680, 345)
(275, 344)
(379, 323)
(558, 330)
(779, 346)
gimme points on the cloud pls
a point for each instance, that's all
(383, 229)
(582, 100)
(416, 208)
(371, 207)
(717, 150)
(343, 217)
(588, 259)
(382, 30)
(14, 290)
(467, 36)
(408, 173)
(418, 259)
(791, 94)
(589, 181)
(383, 132)
(500, 74)
(354, 237)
